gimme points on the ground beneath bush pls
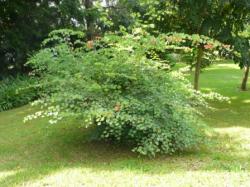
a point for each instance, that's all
(38, 154)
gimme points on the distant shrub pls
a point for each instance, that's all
(125, 96)
(18, 91)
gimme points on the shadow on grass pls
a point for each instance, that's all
(63, 148)
(30, 152)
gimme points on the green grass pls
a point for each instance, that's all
(38, 154)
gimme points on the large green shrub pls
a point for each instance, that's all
(18, 91)
(123, 95)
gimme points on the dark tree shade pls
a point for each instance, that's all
(24, 24)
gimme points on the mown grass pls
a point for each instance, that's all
(38, 154)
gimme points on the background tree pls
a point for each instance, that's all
(242, 54)
(89, 18)
(216, 19)
(122, 13)
(24, 24)
(22, 31)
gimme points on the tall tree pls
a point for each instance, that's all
(213, 18)
(89, 18)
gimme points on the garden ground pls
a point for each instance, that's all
(38, 154)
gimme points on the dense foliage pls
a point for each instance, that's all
(215, 19)
(24, 25)
(121, 85)
(125, 96)
(22, 33)
(18, 91)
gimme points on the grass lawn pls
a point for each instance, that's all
(38, 154)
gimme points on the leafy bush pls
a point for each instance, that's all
(74, 39)
(122, 94)
(18, 91)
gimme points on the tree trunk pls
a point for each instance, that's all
(89, 19)
(200, 54)
(245, 78)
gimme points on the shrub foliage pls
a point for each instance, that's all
(125, 96)
(18, 91)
